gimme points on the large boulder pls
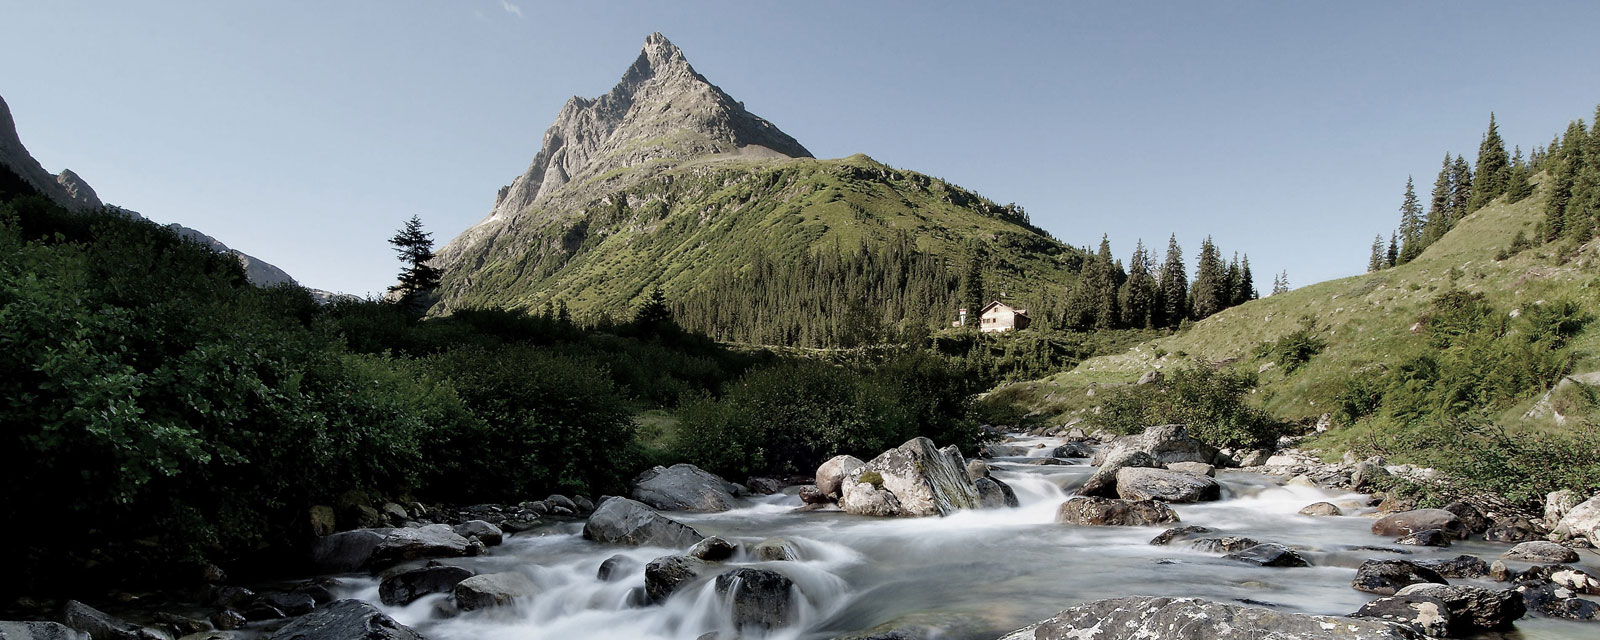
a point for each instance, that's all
(1462, 566)
(1138, 483)
(411, 543)
(626, 522)
(830, 476)
(714, 549)
(924, 479)
(404, 587)
(1150, 618)
(1512, 530)
(343, 620)
(1473, 609)
(1321, 509)
(1551, 600)
(1578, 580)
(868, 499)
(760, 598)
(39, 631)
(1408, 522)
(1541, 551)
(665, 576)
(1092, 511)
(1103, 482)
(485, 532)
(346, 550)
(100, 625)
(1388, 577)
(1582, 521)
(1425, 538)
(1269, 555)
(492, 590)
(994, 494)
(684, 487)
(1427, 616)
(1556, 506)
(1471, 517)
(1167, 443)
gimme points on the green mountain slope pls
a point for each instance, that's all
(1367, 322)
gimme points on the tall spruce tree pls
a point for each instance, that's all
(1519, 186)
(1174, 285)
(1375, 261)
(973, 294)
(1565, 165)
(1391, 257)
(1460, 191)
(1280, 282)
(1494, 169)
(1139, 293)
(1247, 283)
(1583, 209)
(1101, 280)
(1210, 281)
(418, 279)
(1412, 221)
(1230, 287)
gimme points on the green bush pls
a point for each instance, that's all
(1212, 403)
(1295, 349)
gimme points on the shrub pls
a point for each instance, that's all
(1295, 348)
(1211, 402)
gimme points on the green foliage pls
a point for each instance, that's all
(1212, 403)
(418, 279)
(1481, 456)
(1295, 348)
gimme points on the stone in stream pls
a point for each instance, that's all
(492, 590)
(1511, 530)
(1471, 518)
(377, 548)
(626, 522)
(1541, 551)
(1073, 450)
(404, 587)
(1134, 483)
(481, 531)
(39, 631)
(1223, 544)
(1179, 533)
(665, 576)
(344, 620)
(1425, 538)
(1578, 580)
(100, 625)
(1582, 521)
(761, 598)
(1556, 506)
(1321, 509)
(1406, 522)
(1167, 443)
(1269, 555)
(775, 550)
(616, 568)
(1153, 618)
(977, 468)
(713, 549)
(830, 476)
(812, 495)
(1462, 566)
(1103, 482)
(1195, 468)
(994, 494)
(1550, 600)
(1090, 511)
(1473, 609)
(684, 487)
(1387, 577)
(1424, 615)
(924, 480)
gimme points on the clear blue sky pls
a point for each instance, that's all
(304, 133)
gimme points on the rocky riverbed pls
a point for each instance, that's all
(1166, 540)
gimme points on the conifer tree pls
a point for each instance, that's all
(972, 291)
(1494, 169)
(1280, 283)
(1460, 191)
(1210, 278)
(1565, 165)
(1230, 287)
(1583, 209)
(418, 279)
(1438, 208)
(1411, 225)
(1393, 253)
(1375, 261)
(1103, 287)
(1139, 293)
(1247, 283)
(1519, 187)
(1174, 285)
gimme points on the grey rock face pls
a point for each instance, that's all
(100, 625)
(1167, 443)
(1134, 483)
(1541, 551)
(761, 598)
(775, 550)
(343, 620)
(404, 587)
(713, 548)
(38, 630)
(684, 487)
(616, 567)
(665, 576)
(1408, 522)
(1388, 577)
(1150, 618)
(1462, 566)
(627, 522)
(830, 476)
(1425, 538)
(1089, 511)
(1231, 545)
(1321, 509)
(1548, 599)
(67, 189)
(994, 494)
(487, 533)
(923, 479)
(1424, 615)
(1473, 609)
(1103, 482)
(492, 590)
(1179, 533)
(1269, 555)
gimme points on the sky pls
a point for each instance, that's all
(306, 133)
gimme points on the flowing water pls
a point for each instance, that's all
(975, 574)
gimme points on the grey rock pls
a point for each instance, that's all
(994, 494)
(830, 476)
(684, 487)
(1103, 483)
(1093, 511)
(924, 480)
(1427, 616)
(430, 541)
(665, 576)
(761, 598)
(1073, 450)
(1149, 377)
(866, 499)
(1407, 522)
(404, 587)
(977, 469)
(1541, 551)
(1425, 538)
(1582, 521)
(1194, 468)
(774, 550)
(38, 630)
(1550, 600)
(100, 625)
(1230, 544)
(1462, 566)
(492, 590)
(713, 549)
(1150, 618)
(1511, 530)
(1387, 577)
(1179, 533)
(344, 620)
(1136, 483)
(227, 620)
(1166, 443)
(1366, 473)
(1471, 517)
(1556, 506)
(1255, 458)
(1577, 580)
(1321, 509)
(810, 494)
(1473, 609)
(764, 486)
(627, 522)
(1269, 555)
(616, 568)
(481, 531)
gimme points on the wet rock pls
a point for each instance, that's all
(1043, 462)
(563, 506)
(404, 587)
(227, 620)
(994, 494)
(867, 499)
(976, 469)
(1407, 522)
(1473, 609)
(1166, 443)
(1269, 555)
(395, 513)
(1090, 511)
(775, 550)
(1425, 538)
(1223, 544)
(1135, 483)
(1194, 468)
(344, 620)
(684, 487)
(713, 549)
(322, 520)
(481, 531)
(1498, 571)
(290, 604)
(347, 550)
(1073, 450)
(1366, 473)
(810, 494)
(763, 486)
(761, 598)
(1422, 614)
(1103, 482)
(1179, 533)
(1387, 577)
(627, 522)
(1255, 458)
(492, 590)
(1541, 551)
(100, 625)
(321, 589)
(39, 631)
(431, 541)
(1556, 506)
(616, 568)
(830, 476)
(1321, 509)
(1471, 518)
(584, 504)
(1462, 566)
(925, 480)
(1578, 580)
(664, 576)
(182, 625)
(1551, 600)
(1583, 521)
(1150, 618)
(1511, 530)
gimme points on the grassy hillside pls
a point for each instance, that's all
(679, 225)
(1366, 321)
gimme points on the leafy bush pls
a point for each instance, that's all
(1210, 402)
(1294, 349)
(1480, 456)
